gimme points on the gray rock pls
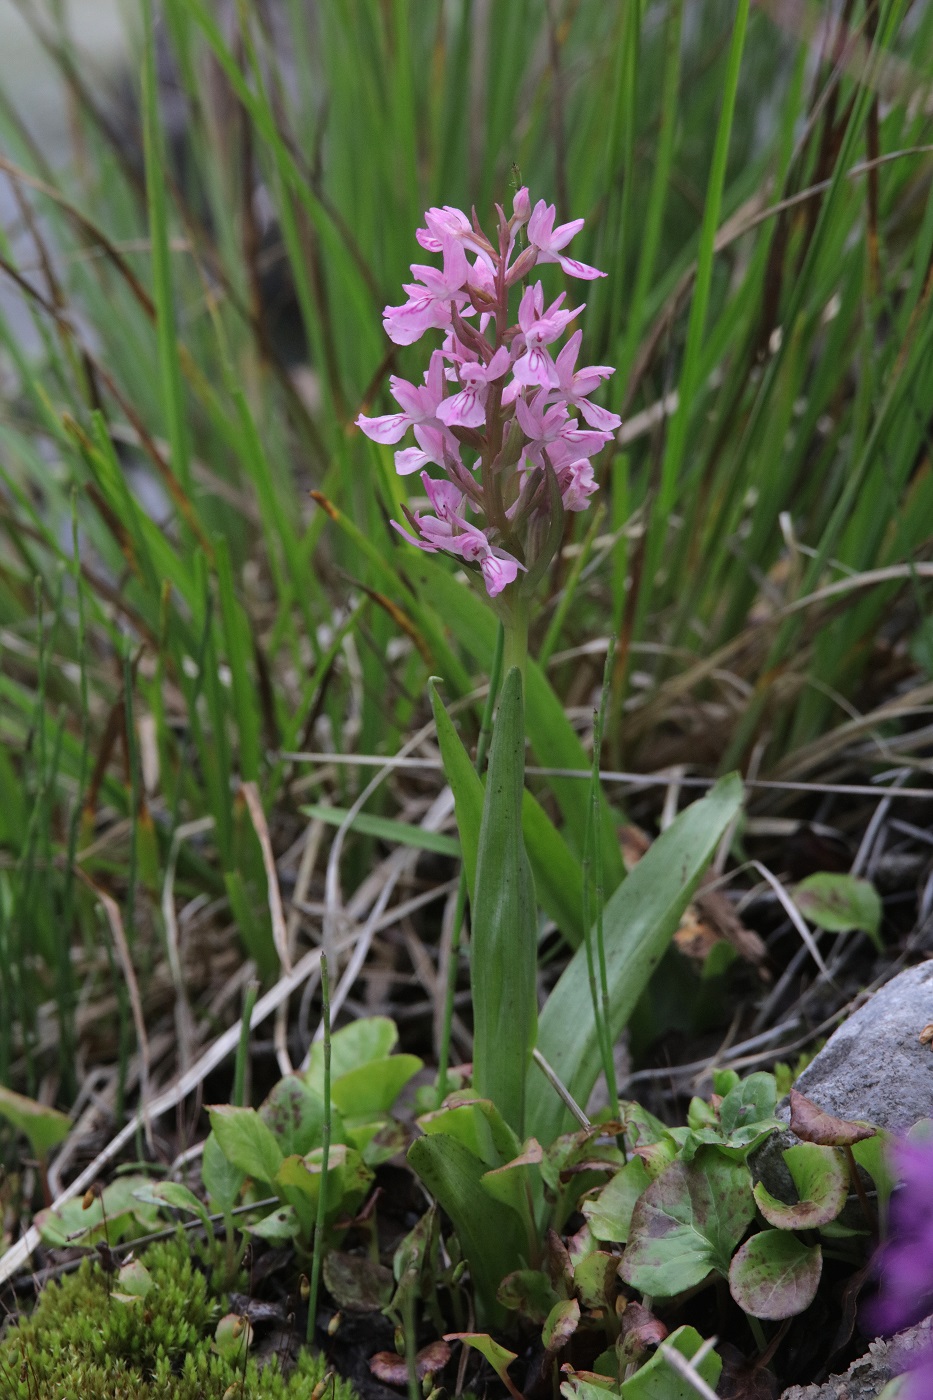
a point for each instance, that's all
(873, 1066)
(867, 1377)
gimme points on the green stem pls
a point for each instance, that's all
(325, 1157)
(482, 746)
(515, 651)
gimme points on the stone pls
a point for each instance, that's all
(867, 1377)
(874, 1066)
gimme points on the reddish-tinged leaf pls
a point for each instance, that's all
(813, 1124)
(641, 1329)
(822, 1182)
(557, 1261)
(774, 1275)
(563, 1320)
(392, 1369)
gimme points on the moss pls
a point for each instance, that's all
(89, 1339)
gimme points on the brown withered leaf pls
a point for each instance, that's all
(716, 911)
(392, 1369)
(813, 1124)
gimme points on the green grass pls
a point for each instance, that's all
(757, 270)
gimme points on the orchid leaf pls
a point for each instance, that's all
(384, 829)
(638, 923)
(557, 873)
(490, 1233)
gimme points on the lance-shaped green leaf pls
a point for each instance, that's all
(465, 784)
(504, 944)
(638, 923)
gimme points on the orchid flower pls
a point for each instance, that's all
(497, 415)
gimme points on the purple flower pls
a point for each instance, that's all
(574, 387)
(496, 414)
(548, 241)
(905, 1263)
(539, 328)
(429, 301)
(467, 409)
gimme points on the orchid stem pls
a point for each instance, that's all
(515, 651)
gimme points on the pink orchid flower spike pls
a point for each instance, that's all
(504, 433)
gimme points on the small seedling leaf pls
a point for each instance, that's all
(561, 1323)
(246, 1141)
(839, 902)
(499, 1357)
(44, 1127)
(222, 1181)
(174, 1195)
(372, 1038)
(372, 1088)
(822, 1183)
(751, 1101)
(295, 1115)
(134, 1279)
(774, 1275)
(687, 1223)
(356, 1283)
(529, 1292)
(279, 1227)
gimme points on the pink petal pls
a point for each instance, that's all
(541, 223)
(392, 427)
(499, 570)
(463, 410)
(412, 459)
(599, 418)
(579, 269)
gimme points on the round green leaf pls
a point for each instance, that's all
(687, 1223)
(774, 1275)
(822, 1182)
